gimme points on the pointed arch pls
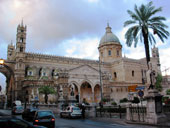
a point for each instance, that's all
(86, 92)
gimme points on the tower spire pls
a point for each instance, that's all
(108, 28)
(22, 22)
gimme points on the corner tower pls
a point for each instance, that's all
(109, 47)
(11, 51)
(21, 38)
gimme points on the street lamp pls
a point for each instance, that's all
(1, 62)
(101, 89)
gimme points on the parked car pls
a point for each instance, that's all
(44, 118)
(7, 121)
(16, 103)
(17, 110)
(29, 113)
(71, 112)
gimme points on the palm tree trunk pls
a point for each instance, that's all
(146, 43)
(46, 98)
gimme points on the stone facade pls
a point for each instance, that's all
(32, 70)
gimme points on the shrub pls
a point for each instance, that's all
(124, 100)
(168, 91)
(136, 100)
(113, 103)
(105, 100)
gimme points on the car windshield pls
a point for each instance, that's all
(76, 108)
(44, 114)
(19, 107)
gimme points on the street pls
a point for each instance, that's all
(85, 123)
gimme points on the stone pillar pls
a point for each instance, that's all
(128, 112)
(93, 97)
(154, 108)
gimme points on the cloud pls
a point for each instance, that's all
(72, 27)
(84, 48)
(164, 60)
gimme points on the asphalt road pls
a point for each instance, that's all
(85, 123)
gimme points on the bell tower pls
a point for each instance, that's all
(21, 38)
(155, 59)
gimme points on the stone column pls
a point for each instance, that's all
(128, 112)
(154, 108)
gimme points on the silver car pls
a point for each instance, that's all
(71, 112)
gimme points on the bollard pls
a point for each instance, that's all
(120, 113)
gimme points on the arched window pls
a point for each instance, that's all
(117, 52)
(133, 73)
(121, 89)
(115, 75)
(21, 49)
(101, 54)
(109, 53)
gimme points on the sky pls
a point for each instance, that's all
(73, 28)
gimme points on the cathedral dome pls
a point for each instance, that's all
(109, 37)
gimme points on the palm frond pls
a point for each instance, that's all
(144, 20)
(128, 22)
(151, 38)
(133, 15)
(156, 19)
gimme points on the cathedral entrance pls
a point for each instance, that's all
(97, 94)
(86, 93)
(2, 91)
(9, 75)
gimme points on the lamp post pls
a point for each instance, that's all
(101, 88)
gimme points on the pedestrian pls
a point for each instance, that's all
(83, 110)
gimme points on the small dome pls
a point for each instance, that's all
(109, 37)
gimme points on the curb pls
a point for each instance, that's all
(144, 123)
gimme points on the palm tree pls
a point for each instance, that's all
(143, 23)
(46, 90)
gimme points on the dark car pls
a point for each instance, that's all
(7, 121)
(44, 118)
(17, 110)
(29, 113)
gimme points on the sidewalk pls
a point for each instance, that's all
(130, 124)
(109, 120)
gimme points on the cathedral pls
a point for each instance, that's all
(112, 76)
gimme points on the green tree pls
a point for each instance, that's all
(158, 82)
(143, 23)
(46, 90)
(168, 92)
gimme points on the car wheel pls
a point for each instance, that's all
(70, 116)
(12, 113)
(61, 116)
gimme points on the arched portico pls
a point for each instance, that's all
(86, 92)
(10, 82)
(74, 91)
(97, 94)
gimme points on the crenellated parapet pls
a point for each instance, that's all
(60, 58)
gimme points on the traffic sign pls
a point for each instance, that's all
(141, 93)
(140, 88)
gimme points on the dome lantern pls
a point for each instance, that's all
(109, 37)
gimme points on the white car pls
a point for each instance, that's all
(71, 112)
